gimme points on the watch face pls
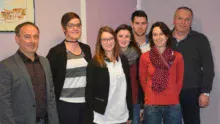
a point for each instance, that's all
(207, 94)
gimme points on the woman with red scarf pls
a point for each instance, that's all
(161, 75)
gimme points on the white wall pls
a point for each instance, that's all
(206, 20)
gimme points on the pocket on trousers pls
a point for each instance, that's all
(150, 108)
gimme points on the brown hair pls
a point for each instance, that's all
(133, 42)
(99, 51)
(166, 31)
(67, 17)
(18, 27)
(138, 13)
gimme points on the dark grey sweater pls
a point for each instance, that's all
(198, 61)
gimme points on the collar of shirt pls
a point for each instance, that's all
(188, 35)
(146, 38)
(143, 43)
(26, 59)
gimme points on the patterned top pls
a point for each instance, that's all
(169, 96)
(75, 81)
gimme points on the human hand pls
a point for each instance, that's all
(129, 122)
(203, 100)
(141, 115)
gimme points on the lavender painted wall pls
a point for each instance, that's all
(206, 20)
(48, 14)
(106, 12)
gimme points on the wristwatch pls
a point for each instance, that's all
(207, 94)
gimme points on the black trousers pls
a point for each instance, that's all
(71, 113)
(189, 100)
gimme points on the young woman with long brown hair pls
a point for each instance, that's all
(108, 90)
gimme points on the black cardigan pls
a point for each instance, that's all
(97, 89)
(57, 57)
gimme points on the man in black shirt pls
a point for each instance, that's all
(198, 65)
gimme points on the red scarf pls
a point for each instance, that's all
(162, 63)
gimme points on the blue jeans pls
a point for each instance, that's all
(168, 114)
(136, 114)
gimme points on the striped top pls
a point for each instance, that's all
(75, 80)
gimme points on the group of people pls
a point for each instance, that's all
(133, 78)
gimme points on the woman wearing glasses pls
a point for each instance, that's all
(108, 90)
(68, 62)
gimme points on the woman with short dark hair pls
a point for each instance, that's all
(68, 62)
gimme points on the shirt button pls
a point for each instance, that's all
(33, 105)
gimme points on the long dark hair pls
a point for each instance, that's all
(133, 41)
(166, 31)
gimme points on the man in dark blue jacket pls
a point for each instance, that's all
(198, 62)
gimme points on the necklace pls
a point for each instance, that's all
(71, 41)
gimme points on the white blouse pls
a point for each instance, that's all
(116, 110)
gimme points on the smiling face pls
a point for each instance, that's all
(159, 38)
(182, 20)
(124, 38)
(73, 29)
(28, 40)
(139, 25)
(107, 42)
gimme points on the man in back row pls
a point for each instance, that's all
(26, 87)
(198, 65)
(139, 24)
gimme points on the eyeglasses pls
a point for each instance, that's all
(71, 25)
(105, 40)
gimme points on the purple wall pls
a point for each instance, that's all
(106, 12)
(47, 18)
(116, 12)
(206, 20)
